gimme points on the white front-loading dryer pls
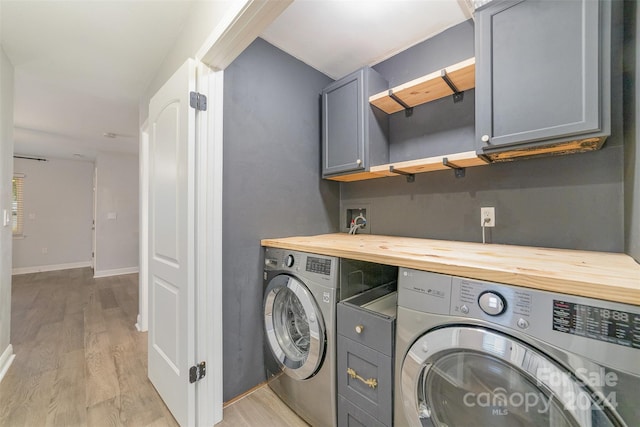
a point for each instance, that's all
(474, 353)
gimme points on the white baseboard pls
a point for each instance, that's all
(6, 359)
(41, 268)
(115, 272)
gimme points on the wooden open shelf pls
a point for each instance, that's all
(430, 164)
(428, 88)
(462, 160)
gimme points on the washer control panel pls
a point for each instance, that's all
(289, 261)
(319, 269)
(318, 265)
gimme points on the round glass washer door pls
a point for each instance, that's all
(468, 376)
(294, 327)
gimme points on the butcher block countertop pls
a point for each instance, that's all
(602, 275)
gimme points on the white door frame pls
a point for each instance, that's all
(209, 245)
(142, 323)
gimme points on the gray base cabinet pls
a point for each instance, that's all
(365, 365)
(354, 133)
(542, 75)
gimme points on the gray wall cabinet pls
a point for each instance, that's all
(354, 134)
(542, 75)
(539, 202)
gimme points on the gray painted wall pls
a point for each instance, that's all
(632, 130)
(566, 202)
(439, 127)
(271, 188)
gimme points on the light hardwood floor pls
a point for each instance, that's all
(81, 362)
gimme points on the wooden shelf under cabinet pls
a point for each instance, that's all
(428, 88)
(462, 160)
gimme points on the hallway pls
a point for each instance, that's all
(79, 359)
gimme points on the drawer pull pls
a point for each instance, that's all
(359, 329)
(371, 382)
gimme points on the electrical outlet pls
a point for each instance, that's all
(488, 217)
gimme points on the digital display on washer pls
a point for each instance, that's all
(603, 324)
(319, 265)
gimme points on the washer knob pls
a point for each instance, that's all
(492, 303)
(464, 309)
(359, 329)
(289, 261)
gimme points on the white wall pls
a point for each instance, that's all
(6, 173)
(117, 227)
(204, 17)
(58, 210)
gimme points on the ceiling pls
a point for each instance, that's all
(82, 66)
(340, 36)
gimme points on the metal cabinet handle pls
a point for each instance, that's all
(358, 161)
(359, 329)
(371, 382)
(485, 138)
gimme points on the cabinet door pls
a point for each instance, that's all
(365, 364)
(349, 415)
(343, 125)
(538, 71)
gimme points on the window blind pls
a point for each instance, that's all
(17, 205)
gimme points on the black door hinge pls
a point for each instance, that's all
(198, 101)
(197, 372)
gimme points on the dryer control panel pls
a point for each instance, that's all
(603, 324)
(441, 294)
(500, 304)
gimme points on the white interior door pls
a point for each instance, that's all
(171, 243)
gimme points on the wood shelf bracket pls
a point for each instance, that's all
(408, 110)
(457, 95)
(410, 176)
(459, 172)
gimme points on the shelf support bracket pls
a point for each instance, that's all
(460, 172)
(457, 95)
(410, 177)
(408, 111)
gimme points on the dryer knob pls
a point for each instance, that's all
(492, 303)
(289, 261)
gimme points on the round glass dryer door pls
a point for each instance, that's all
(294, 327)
(467, 376)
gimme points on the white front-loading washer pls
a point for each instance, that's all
(474, 353)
